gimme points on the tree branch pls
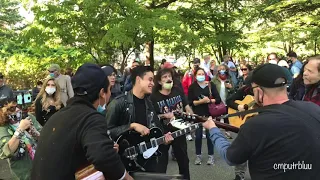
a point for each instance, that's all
(162, 5)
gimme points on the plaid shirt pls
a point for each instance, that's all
(313, 94)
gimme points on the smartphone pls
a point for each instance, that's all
(19, 99)
(27, 98)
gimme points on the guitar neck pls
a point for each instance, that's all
(178, 133)
(226, 127)
(197, 118)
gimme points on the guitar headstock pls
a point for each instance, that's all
(189, 117)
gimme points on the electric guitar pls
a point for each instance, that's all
(249, 103)
(135, 150)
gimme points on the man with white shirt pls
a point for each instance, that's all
(232, 68)
(206, 65)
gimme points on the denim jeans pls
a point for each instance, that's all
(198, 141)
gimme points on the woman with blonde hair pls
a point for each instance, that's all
(48, 101)
(18, 140)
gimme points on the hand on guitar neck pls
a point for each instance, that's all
(209, 124)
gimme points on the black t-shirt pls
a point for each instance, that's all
(167, 103)
(280, 136)
(140, 111)
(197, 93)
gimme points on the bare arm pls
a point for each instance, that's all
(188, 109)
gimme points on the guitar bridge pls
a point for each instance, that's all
(131, 153)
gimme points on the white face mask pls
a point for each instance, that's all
(50, 90)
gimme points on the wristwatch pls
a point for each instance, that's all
(18, 134)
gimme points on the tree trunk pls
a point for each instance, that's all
(151, 52)
(124, 58)
(315, 46)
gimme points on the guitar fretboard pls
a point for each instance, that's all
(161, 140)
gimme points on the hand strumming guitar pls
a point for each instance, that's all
(116, 147)
(140, 129)
(209, 124)
(241, 108)
(128, 177)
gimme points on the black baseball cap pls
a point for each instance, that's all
(269, 76)
(108, 70)
(88, 79)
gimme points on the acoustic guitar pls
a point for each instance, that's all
(249, 103)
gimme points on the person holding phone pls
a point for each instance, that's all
(225, 88)
(18, 139)
(199, 98)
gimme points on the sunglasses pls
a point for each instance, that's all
(12, 108)
(51, 71)
(244, 69)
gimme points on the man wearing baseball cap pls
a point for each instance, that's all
(77, 135)
(282, 139)
(63, 81)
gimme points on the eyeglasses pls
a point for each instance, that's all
(244, 69)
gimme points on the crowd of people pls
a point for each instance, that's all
(76, 119)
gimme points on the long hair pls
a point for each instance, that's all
(161, 72)
(5, 111)
(56, 95)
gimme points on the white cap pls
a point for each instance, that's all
(283, 63)
(273, 62)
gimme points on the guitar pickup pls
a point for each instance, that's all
(143, 147)
(154, 142)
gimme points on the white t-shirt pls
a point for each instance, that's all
(223, 92)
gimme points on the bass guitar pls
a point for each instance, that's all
(248, 103)
(135, 150)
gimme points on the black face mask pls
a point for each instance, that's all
(195, 66)
(289, 62)
(15, 117)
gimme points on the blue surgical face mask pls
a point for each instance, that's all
(101, 109)
(222, 72)
(201, 78)
(52, 75)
